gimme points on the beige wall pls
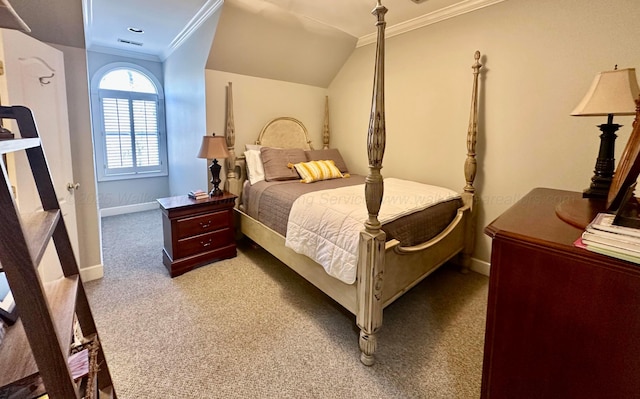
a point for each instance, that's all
(540, 58)
(257, 101)
(184, 89)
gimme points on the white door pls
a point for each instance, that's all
(34, 77)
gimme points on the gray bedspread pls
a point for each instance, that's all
(271, 202)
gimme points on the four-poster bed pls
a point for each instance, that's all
(386, 266)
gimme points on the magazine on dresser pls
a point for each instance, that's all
(603, 236)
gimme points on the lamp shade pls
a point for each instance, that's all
(213, 147)
(611, 93)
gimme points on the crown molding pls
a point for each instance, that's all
(124, 53)
(451, 11)
(87, 15)
(208, 8)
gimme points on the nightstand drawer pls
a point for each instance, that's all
(203, 243)
(202, 224)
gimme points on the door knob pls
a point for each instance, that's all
(73, 186)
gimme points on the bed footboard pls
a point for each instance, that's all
(384, 274)
(371, 259)
(407, 266)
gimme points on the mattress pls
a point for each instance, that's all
(271, 202)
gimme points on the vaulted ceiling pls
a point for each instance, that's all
(58, 21)
(302, 41)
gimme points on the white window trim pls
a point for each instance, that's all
(97, 118)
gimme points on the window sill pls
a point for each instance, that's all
(131, 176)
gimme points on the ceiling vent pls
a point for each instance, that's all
(125, 41)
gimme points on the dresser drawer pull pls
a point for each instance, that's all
(205, 225)
(206, 244)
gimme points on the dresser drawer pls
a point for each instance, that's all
(203, 243)
(200, 224)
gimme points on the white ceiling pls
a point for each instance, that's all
(165, 21)
(300, 41)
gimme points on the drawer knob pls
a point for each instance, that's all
(206, 244)
(205, 225)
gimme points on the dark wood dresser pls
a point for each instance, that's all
(562, 322)
(197, 232)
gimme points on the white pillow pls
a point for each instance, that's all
(255, 170)
(251, 147)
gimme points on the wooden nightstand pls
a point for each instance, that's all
(197, 232)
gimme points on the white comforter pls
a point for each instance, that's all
(325, 225)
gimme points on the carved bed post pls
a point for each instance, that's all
(470, 168)
(372, 239)
(231, 183)
(326, 130)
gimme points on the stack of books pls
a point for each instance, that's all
(198, 195)
(604, 237)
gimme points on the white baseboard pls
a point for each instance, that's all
(92, 273)
(121, 210)
(480, 266)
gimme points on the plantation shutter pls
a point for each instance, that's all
(128, 125)
(145, 125)
(132, 136)
(117, 133)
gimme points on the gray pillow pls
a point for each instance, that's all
(328, 154)
(276, 161)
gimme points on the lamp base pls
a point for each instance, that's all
(599, 188)
(216, 192)
(605, 164)
(215, 179)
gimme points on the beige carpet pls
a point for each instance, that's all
(249, 327)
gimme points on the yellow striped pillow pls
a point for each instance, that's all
(318, 170)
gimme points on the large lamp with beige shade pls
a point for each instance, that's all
(611, 93)
(214, 147)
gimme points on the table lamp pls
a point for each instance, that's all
(214, 147)
(611, 93)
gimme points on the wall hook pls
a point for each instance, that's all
(46, 82)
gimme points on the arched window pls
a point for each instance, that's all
(129, 134)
